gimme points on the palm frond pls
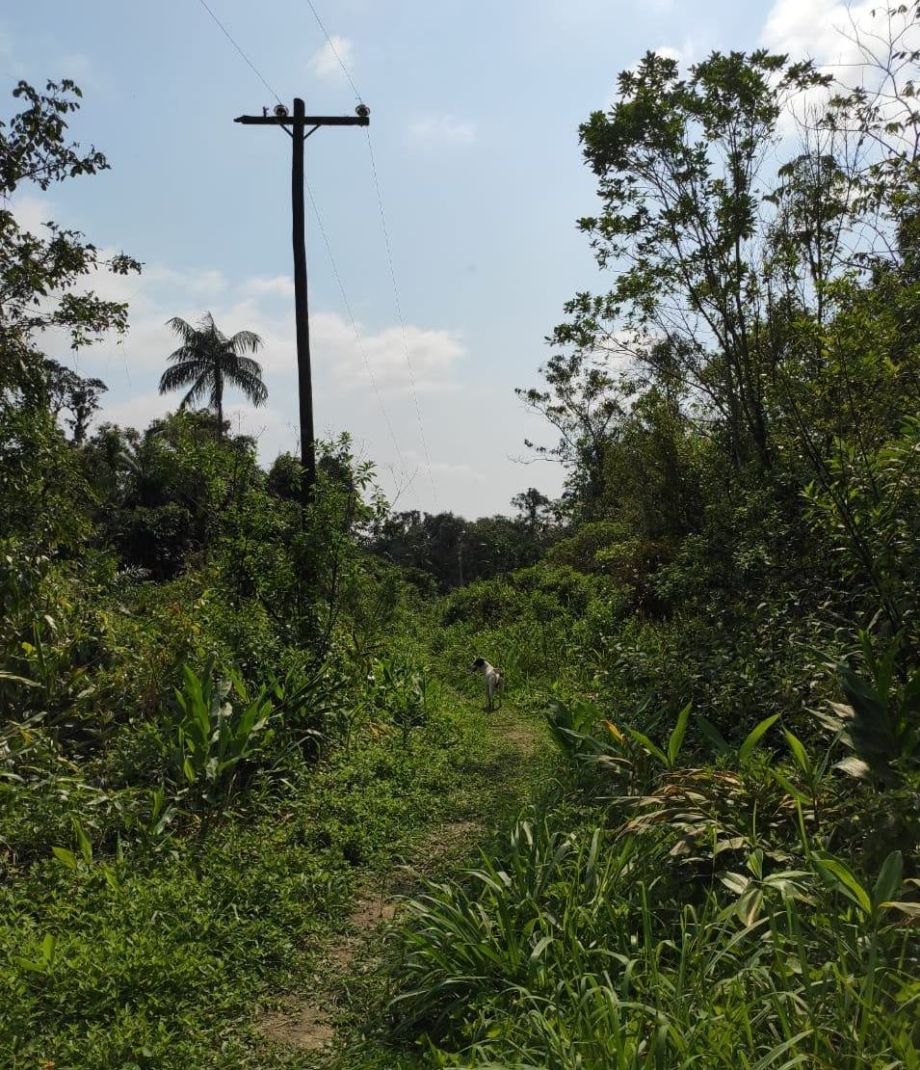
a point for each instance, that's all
(236, 366)
(245, 342)
(201, 387)
(253, 387)
(182, 328)
(184, 352)
(180, 375)
(210, 361)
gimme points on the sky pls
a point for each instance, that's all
(475, 109)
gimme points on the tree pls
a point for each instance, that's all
(765, 302)
(583, 405)
(682, 167)
(38, 275)
(207, 360)
(43, 286)
(532, 504)
(71, 392)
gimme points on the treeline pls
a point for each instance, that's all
(738, 415)
(724, 635)
(455, 551)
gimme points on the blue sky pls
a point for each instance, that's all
(475, 113)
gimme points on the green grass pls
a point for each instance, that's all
(169, 960)
(509, 771)
(677, 918)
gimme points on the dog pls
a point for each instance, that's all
(493, 679)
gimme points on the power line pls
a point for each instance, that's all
(255, 70)
(402, 318)
(335, 51)
(389, 252)
(386, 239)
(354, 325)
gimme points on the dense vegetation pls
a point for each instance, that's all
(218, 706)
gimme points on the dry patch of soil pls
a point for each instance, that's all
(299, 1026)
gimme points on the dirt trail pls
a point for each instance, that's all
(308, 1024)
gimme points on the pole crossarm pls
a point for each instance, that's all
(308, 120)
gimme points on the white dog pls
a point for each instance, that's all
(493, 679)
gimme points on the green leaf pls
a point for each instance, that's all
(86, 848)
(676, 738)
(736, 882)
(799, 753)
(749, 906)
(67, 857)
(839, 875)
(712, 733)
(49, 945)
(10, 678)
(786, 784)
(888, 883)
(30, 964)
(754, 737)
(648, 745)
(542, 945)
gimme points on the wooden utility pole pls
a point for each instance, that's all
(297, 126)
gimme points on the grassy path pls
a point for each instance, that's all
(340, 1023)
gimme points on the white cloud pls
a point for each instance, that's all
(279, 285)
(354, 377)
(200, 283)
(684, 53)
(442, 130)
(431, 355)
(810, 28)
(80, 68)
(668, 52)
(341, 358)
(470, 434)
(31, 212)
(444, 469)
(845, 38)
(137, 411)
(827, 30)
(324, 63)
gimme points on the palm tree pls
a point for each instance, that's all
(207, 359)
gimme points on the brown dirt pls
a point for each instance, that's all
(306, 1024)
(301, 1026)
(448, 839)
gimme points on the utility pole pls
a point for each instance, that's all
(296, 125)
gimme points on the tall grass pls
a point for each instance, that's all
(583, 950)
(686, 917)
